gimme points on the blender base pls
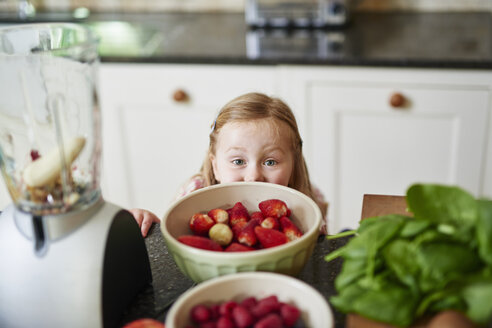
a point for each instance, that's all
(86, 278)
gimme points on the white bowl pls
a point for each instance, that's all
(200, 265)
(315, 310)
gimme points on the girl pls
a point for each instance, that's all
(254, 138)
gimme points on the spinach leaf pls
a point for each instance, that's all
(441, 263)
(352, 270)
(478, 296)
(413, 227)
(400, 256)
(442, 204)
(397, 268)
(392, 303)
(484, 230)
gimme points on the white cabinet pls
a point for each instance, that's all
(153, 143)
(357, 143)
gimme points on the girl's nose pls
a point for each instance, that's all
(254, 174)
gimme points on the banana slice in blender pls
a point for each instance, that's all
(47, 168)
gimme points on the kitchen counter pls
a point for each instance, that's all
(429, 40)
(155, 300)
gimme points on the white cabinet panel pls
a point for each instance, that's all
(356, 143)
(380, 150)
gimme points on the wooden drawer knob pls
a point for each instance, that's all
(180, 95)
(397, 100)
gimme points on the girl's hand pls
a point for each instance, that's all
(145, 219)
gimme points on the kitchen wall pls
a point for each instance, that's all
(238, 5)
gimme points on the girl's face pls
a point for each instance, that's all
(258, 150)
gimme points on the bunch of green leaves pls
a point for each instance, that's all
(397, 268)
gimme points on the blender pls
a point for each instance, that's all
(67, 257)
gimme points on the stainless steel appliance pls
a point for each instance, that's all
(297, 13)
(68, 258)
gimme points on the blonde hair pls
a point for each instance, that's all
(254, 106)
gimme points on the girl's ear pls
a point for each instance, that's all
(213, 160)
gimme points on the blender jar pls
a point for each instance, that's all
(50, 141)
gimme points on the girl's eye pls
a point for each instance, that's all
(238, 162)
(270, 162)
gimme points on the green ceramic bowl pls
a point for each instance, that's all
(201, 265)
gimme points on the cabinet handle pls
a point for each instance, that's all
(397, 100)
(180, 96)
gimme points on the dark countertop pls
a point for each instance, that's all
(168, 282)
(430, 40)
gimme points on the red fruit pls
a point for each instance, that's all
(265, 306)
(238, 213)
(270, 223)
(257, 216)
(242, 317)
(290, 314)
(144, 323)
(270, 237)
(274, 208)
(225, 322)
(34, 155)
(237, 228)
(200, 242)
(272, 320)
(200, 224)
(209, 324)
(236, 247)
(247, 235)
(200, 313)
(290, 229)
(214, 312)
(249, 302)
(225, 309)
(219, 215)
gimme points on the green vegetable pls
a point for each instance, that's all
(400, 268)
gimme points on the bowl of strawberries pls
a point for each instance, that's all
(241, 227)
(251, 299)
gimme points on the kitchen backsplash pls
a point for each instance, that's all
(238, 5)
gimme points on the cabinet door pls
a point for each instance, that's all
(360, 144)
(152, 143)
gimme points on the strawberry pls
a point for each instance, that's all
(290, 314)
(200, 224)
(200, 313)
(219, 215)
(238, 213)
(214, 312)
(242, 317)
(225, 309)
(271, 223)
(247, 235)
(237, 228)
(272, 320)
(225, 322)
(270, 237)
(236, 247)
(290, 229)
(265, 306)
(274, 207)
(200, 242)
(257, 216)
(249, 302)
